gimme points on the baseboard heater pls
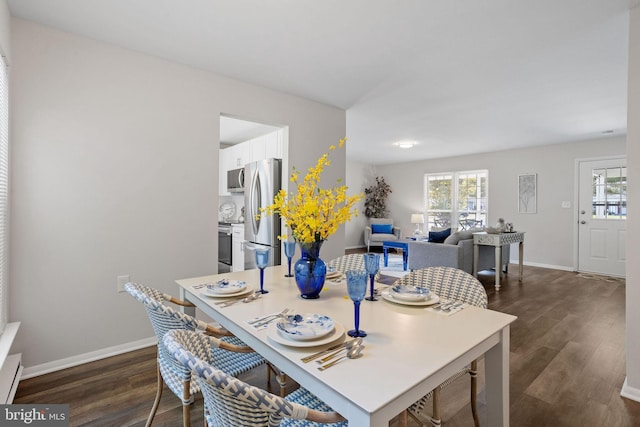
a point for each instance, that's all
(11, 364)
(10, 377)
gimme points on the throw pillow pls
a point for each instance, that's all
(453, 239)
(459, 235)
(382, 228)
(439, 236)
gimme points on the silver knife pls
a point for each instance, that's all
(323, 352)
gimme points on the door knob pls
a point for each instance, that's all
(583, 212)
(583, 222)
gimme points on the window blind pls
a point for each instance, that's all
(4, 193)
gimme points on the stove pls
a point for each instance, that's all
(230, 222)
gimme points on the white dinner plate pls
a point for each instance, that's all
(333, 274)
(206, 293)
(224, 287)
(389, 296)
(276, 336)
(410, 292)
(305, 326)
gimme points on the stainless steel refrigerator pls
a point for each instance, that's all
(262, 181)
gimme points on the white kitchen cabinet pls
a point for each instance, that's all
(237, 247)
(257, 147)
(273, 144)
(238, 155)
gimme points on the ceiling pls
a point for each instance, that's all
(457, 76)
(235, 131)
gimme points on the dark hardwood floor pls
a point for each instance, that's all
(567, 364)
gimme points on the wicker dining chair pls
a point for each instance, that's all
(347, 262)
(234, 357)
(229, 401)
(452, 284)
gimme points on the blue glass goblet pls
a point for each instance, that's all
(289, 251)
(371, 264)
(357, 288)
(262, 259)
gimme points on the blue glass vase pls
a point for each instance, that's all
(310, 270)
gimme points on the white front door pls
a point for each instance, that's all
(602, 215)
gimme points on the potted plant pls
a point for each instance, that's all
(375, 204)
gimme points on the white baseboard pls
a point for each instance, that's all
(356, 247)
(630, 392)
(69, 362)
(550, 266)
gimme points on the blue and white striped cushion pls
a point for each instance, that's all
(303, 397)
(231, 402)
(164, 318)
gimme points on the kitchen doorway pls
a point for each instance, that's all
(244, 142)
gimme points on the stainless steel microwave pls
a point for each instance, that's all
(235, 180)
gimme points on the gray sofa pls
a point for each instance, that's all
(457, 252)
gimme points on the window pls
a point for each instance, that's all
(4, 193)
(609, 193)
(457, 199)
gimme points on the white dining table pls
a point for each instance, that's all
(409, 350)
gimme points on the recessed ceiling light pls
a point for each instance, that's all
(405, 144)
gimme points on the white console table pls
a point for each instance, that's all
(498, 240)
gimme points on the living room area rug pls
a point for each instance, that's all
(394, 266)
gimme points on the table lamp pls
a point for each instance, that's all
(417, 218)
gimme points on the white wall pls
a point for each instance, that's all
(632, 383)
(358, 177)
(115, 171)
(549, 235)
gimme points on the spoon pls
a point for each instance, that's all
(353, 353)
(252, 297)
(355, 342)
(248, 298)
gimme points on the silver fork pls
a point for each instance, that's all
(266, 322)
(441, 305)
(447, 306)
(269, 318)
(453, 306)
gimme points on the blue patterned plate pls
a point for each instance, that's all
(224, 286)
(305, 326)
(410, 292)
